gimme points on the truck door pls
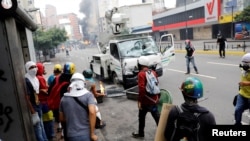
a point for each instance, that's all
(167, 50)
(115, 64)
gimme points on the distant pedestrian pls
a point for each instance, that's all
(221, 41)
(80, 123)
(47, 116)
(56, 71)
(243, 98)
(192, 90)
(32, 84)
(190, 50)
(146, 103)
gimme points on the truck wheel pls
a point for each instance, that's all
(115, 79)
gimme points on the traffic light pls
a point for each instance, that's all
(7, 8)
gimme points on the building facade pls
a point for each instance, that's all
(71, 24)
(199, 19)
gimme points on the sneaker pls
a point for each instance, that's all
(197, 72)
(102, 125)
(187, 73)
(137, 135)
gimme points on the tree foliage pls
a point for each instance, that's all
(244, 15)
(50, 38)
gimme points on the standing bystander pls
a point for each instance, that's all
(80, 123)
(243, 98)
(91, 86)
(47, 116)
(32, 85)
(192, 90)
(60, 85)
(57, 71)
(222, 44)
(190, 56)
(146, 103)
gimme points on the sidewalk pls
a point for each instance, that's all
(212, 47)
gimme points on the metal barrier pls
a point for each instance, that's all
(241, 44)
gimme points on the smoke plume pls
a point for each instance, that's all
(86, 8)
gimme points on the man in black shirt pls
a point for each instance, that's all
(190, 56)
(222, 44)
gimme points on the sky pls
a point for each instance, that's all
(62, 6)
(69, 6)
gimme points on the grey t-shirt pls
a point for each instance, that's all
(77, 119)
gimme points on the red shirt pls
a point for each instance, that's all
(42, 81)
(142, 81)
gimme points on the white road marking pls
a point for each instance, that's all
(223, 64)
(207, 76)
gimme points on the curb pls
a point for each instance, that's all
(236, 53)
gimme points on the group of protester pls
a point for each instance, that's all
(79, 122)
(192, 90)
(74, 91)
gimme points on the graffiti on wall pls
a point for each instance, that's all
(5, 118)
(1, 75)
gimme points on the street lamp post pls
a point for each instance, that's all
(232, 23)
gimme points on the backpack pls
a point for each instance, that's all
(186, 126)
(54, 95)
(152, 83)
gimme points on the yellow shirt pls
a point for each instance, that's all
(245, 90)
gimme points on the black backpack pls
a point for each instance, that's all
(186, 126)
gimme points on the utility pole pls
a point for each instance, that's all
(232, 20)
(186, 34)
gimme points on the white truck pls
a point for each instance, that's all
(121, 49)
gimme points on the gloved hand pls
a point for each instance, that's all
(35, 118)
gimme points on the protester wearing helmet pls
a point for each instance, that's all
(63, 79)
(243, 98)
(192, 90)
(56, 71)
(90, 85)
(80, 123)
(145, 103)
(190, 56)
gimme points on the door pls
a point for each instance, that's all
(115, 64)
(167, 50)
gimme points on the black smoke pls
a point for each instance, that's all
(86, 8)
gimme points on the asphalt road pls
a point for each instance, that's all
(219, 76)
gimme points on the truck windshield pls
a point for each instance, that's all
(137, 47)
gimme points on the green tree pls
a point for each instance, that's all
(49, 39)
(244, 15)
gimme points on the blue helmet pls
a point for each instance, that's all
(192, 87)
(69, 68)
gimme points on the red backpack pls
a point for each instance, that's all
(54, 95)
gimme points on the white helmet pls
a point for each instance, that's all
(143, 60)
(246, 58)
(77, 76)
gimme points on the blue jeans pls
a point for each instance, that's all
(241, 105)
(188, 61)
(49, 129)
(79, 138)
(39, 128)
